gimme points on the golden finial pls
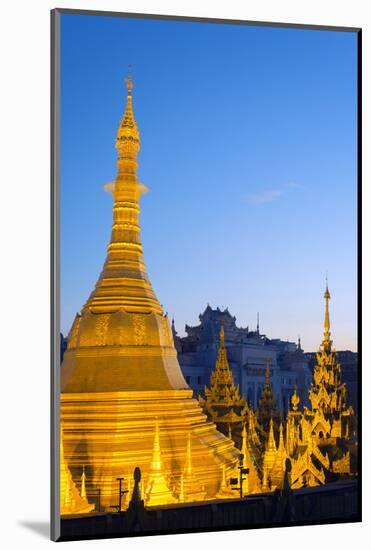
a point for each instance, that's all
(128, 141)
(326, 333)
(221, 335)
(295, 400)
(281, 444)
(271, 446)
(129, 80)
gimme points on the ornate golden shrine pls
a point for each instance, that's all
(223, 402)
(324, 437)
(321, 440)
(122, 387)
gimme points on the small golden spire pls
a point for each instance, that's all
(157, 491)
(271, 441)
(83, 479)
(295, 400)
(222, 335)
(127, 141)
(156, 465)
(326, 343)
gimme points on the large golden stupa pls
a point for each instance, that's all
(123, 392)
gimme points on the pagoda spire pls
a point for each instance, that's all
(223, 402)
(83, 483)
(277, 474)
(269, 457)
(295, 400)
(326, 342)
(281, 445)
(267, 410)
(190, 489)
(271, 446)
(124, 269)
(156, 464)
(157, 491)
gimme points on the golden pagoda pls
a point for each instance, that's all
(329, 420)
(321, 440)
(222, 401)
(120, 370)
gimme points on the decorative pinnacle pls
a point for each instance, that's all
(271, 446)
(156, 465)
(129, 80)
(83, 480)
(326, 333)
(128, 140)
(295, 400)
(221, 334)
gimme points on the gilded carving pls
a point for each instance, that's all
(101, 328)
(139, 324)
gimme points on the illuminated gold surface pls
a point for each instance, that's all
(120, 372)
(71, 502)
(157, 491)
(252, 482)
(269, 457)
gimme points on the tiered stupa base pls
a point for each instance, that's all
(112, 432)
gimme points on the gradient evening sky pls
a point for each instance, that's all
(248, 145)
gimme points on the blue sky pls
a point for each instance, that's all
(248, 146)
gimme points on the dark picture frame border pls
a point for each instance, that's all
(55, 522)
